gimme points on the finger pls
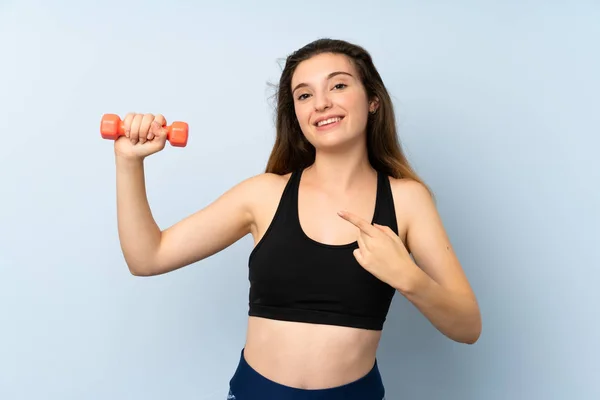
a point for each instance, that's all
(135, 128)
(155, 130)
(357, 221)
(160, 119)
(127, 123)
(387, 230)
(359, 257)
(362, 241)
(158, 127)
(145, 127)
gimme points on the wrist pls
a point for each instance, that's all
(414, 282)
(128, 162)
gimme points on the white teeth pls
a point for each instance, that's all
(329, 121)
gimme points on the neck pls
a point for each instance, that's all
(341, 172)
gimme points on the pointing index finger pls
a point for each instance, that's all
(357, 221)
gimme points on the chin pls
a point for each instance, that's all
(334, 140)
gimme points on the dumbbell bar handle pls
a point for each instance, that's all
(112, 127)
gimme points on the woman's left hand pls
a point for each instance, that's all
(382, 253)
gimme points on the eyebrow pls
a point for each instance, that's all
(331, 75)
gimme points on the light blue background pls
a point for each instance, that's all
(498, 109)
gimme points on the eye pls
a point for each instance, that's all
(338, 86)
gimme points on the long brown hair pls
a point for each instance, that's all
(292, 151)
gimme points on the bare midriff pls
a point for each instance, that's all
(309, 356)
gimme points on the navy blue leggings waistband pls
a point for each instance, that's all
(248, 384)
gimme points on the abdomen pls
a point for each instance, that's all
(309, 356)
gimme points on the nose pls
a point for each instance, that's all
(322, 101)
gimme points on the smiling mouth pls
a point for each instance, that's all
(329, 122)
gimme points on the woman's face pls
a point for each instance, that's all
(331, 103)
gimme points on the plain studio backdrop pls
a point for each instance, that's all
(498, 109)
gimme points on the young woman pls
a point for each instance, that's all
(335, 218)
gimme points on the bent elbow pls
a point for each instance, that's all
(139, 269)
(139, 272)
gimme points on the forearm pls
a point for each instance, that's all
(456, 315)
(138, 232)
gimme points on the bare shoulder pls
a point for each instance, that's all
(266, 181)
(412, 200)
(408, 192)
(259, 188)
(253, 188)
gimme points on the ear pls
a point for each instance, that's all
(374, 105)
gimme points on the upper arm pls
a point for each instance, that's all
(209, 230)
(427, 239)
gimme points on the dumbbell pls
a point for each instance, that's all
(111, 127)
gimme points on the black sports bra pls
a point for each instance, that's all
(295, 278)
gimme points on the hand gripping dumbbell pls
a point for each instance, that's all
(111, 127)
